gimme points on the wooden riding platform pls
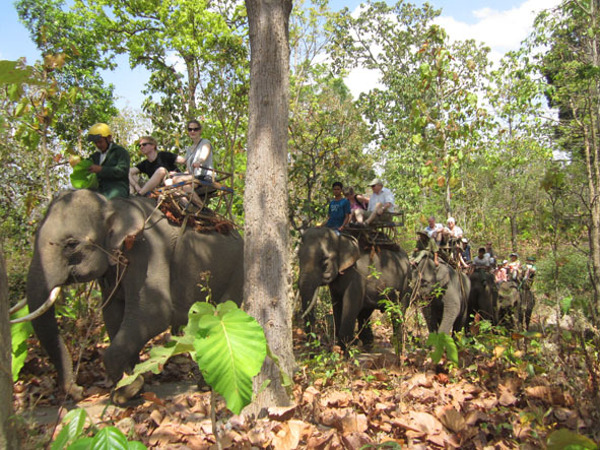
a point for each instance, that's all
(190, 207)
(378, 235)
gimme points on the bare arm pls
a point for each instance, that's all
(201, 155)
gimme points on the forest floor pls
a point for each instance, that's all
(509, 391)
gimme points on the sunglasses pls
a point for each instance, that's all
(193, 129)
(143, 144)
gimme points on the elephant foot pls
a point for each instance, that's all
(75, 392)
(122, 395)
(367, 346)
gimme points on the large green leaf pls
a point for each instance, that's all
(158, 358)
(81, 178)
(73, 425)
(442, 342)
(19, 332)
(110, 438)
(230, 350)
(569, 440)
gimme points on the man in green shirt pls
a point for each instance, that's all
(111, 163)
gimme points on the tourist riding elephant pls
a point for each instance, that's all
(149, 270)
(515, 305)
(483, 296)
(357, 278)
(446, 292)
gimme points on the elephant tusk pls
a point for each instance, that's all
(311, 305)
(42, 309)
(18, 306)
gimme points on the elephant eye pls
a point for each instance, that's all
(71, 244)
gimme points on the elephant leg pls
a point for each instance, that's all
(46, 328)
(347, 293)
(365, 332)
(525, 308)
(349, 314)
(529, 309)
(430, 319)
(451, 309)
(113, 310)
(146, 314)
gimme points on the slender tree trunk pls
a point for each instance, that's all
(265, 201)
(7, 431)
(513, 232)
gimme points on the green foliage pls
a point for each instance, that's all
(329, 366)
(230, 349)
(81, 178)
(442, 342)
(565, 272)
(77, 434)
(228, 345)
(569, 440)
(19, 333)
(12, 74)
(326, 130)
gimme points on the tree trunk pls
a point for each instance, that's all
(7, 430)
(513, 232)
(266, 259)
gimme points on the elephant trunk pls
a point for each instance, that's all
(46, 329)
(308, 285)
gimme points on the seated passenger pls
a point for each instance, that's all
(381, 203)
(457, 254)
(434, 230)
(198, 157)
(529, 270)
(514, 267)
(426, 247)
(500, 274)
(338, 213)
(452, 232)
(358, 205)
(466, 250)
(482, 260)
(110, 163)
(157, 166)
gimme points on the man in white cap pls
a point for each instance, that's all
(381, 203)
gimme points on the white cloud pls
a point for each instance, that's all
(501, 30)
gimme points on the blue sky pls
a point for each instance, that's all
(500, 24)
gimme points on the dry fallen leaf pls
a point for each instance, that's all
(452, 419)
(281, 413)
(286, 437)
(353, 422)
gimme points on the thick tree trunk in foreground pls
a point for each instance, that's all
(265, 201)
(7, 431)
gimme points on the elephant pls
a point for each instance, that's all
(483, 296)
(336, 260)
(447, 292)
(515, 305)
(149, 271)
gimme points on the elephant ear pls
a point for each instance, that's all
(124, 221)
(348, 252)
(442, 274)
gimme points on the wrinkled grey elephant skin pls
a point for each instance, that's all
(515, 305)
(446, 292)
(483, 296)
(151, 288)
(326, 258)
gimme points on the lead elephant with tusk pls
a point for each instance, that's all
(150, 272)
